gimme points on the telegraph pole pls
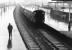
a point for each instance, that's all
(69, 25)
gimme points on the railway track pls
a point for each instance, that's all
(46, 41)
(28, 40)
(56, 45)
(36, 39)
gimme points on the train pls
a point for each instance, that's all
(39, 16)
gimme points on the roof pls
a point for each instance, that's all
(61, 0)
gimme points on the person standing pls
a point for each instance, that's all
(10, 27)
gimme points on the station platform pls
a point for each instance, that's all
(6, 18)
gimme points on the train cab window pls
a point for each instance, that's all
(62, 7)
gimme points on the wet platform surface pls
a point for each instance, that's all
(6, 18)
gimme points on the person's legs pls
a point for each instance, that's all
(11, 35)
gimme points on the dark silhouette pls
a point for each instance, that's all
(10, 36)
(39, 17)
(10, 30)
